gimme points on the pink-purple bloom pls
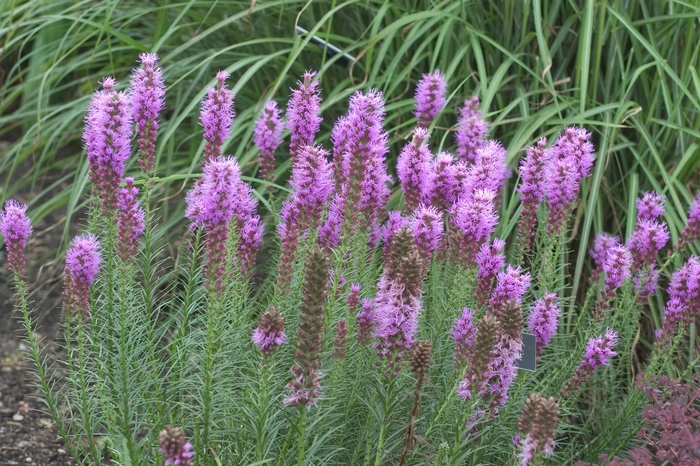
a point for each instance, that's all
(175, 449)
(511, 285)
(416, 171)
(107, 138)
(650, 206)
(216, 117)
(617, 267)
(489, 261)
(366, 322)
(683, 305)
(489, 170)
(531, 189)
(472, 221)
(648, 238)
(431, 95)
(83, 261)
(602, 245)
(330, 232)
(691, 232)
(463, 332)
(450, 180)
(428, 230)
(471, 130)
(268, 136)
(543, 320)
(599, 351)
(304, 113)
(15, 227)
(269, 335)
(130, 221)
(354, 297)
(147, 97)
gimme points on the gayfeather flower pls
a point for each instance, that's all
(543, 320)
(360, 147)
(489, 170)
(269, 335)
(511, 285)
(531, 189)
(471, 130)
(216, 116)
(304, 113)
(472, 221)
(648, 238)
(107, 138)
(650, 206)
(330, 232)
(340, 342)
(684, 300)
(395, 222)
(479, 358)
(502, 370)
(599, 351)
(268, 136)
(15, 227)
(130, 222)
(431, 95)
(174, 448)
(602, 244)
(366, 322)
(617, 266)
(398, 300)
(489, 261)
(571, 159)
(353, 297)
(428, 230)
(305, 387)
(538, 422)
(645, 283)
(450, 180)
(416, 171)
(147, 96)
(691, 232)
(83, 261)
(463, 332)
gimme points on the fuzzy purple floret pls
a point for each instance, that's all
(15, 227)
(648, 238)
(428, 230)
(472, 220)
(617, 267)
(602, 245)
(599, 350)
(463, 332)
(330, 232)
(216, 116)
(543, 320)
(450, 180)
(416, 171)
(268, 136)
(366, 322)
(489, 170)
(131, 221)
(489, 261)
(304, 113)
(691, 232)
(83, 259)
(107, 138)
(147, 96)
(268, 338)
(395, 222)
(471, 130)
(511, 285)
(431, 95)
(650, 206)
(311, 183)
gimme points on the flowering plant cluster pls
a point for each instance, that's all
(385, 332)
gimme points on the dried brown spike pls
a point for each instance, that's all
(420, 358)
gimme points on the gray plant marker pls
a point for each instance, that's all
(528, 358)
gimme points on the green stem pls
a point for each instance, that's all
(302, 435)
(124, 368)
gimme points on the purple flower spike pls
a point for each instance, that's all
(395, 223)
(463, 332)
(331, 230)
(471, 130)
(598, 353)
(450, 181)
(354, 297)
(602, 245)
(366, 322)
(216, 117)
(174, 448)
(511, 285)
(107, 138)
(428, 230)
(16, 228)
(147, 101)
(691, 232)
(531, 191)
(430, 97)
(130, 221)
(645, 283)
(269, 335)
(83, 261)
(489, 171)
(617, 266)
(304, 113)
(648, 238)
(416, 171)
(650, 206)
(684, 300)
(543, 320)
(489, 261)
(472, 220)
(268, 136)
(311, 183)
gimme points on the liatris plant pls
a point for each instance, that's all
(402, 329)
